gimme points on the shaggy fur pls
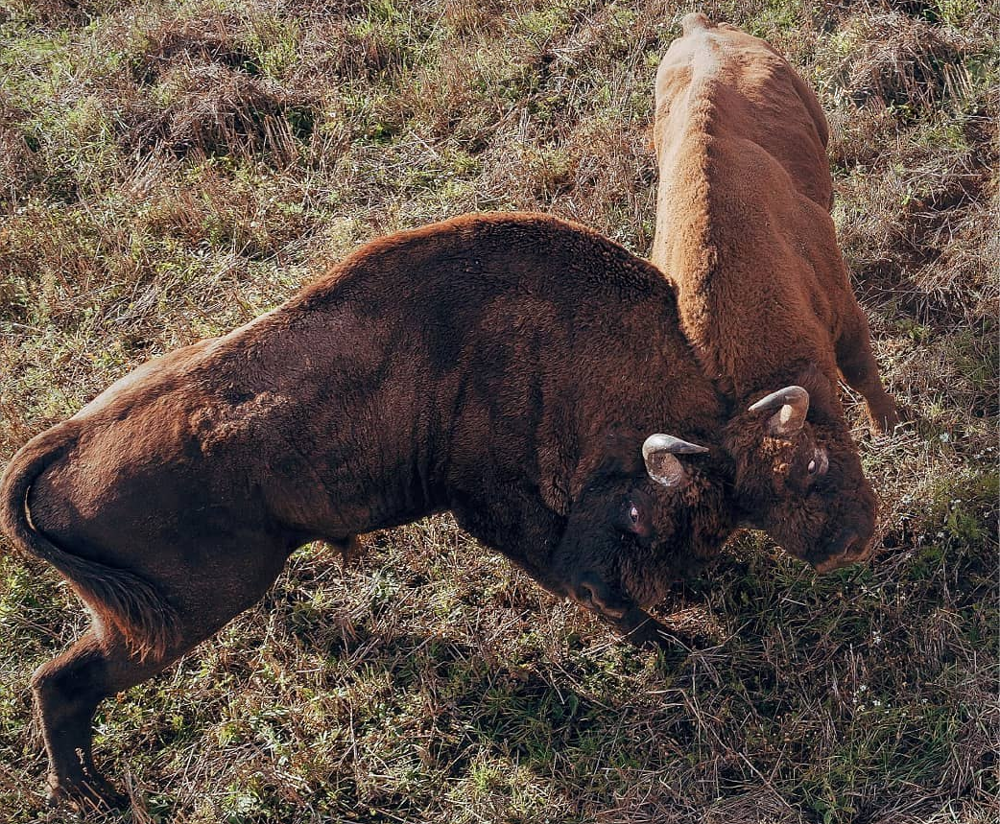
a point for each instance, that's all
(744, 231)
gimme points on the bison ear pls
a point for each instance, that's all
(792, 405)
(660, 454)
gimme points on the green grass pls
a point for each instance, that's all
(171, 170)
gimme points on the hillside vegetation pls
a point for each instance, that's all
(171, 170)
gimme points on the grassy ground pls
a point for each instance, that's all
(169, 170)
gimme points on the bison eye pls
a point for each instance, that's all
(633, 518)
(819, 463)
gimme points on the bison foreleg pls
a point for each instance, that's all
(349, 547)
(858, 366)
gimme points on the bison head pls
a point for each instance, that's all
(798, 476)
(647, 514)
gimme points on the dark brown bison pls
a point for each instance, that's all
(516, 370)
(744, 231)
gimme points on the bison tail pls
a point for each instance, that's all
(129, 602)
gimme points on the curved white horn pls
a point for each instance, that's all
(668, 443)
(792, 404)
(658, 452)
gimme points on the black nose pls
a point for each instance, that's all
(594, 593)
(843, 543)
(847, 547)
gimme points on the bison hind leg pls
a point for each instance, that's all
(67, 691)
(102, 663)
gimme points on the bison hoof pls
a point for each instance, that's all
(91, 795)
(884, 421)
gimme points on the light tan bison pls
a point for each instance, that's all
(743, 230)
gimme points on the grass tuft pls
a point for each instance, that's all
(214, 111)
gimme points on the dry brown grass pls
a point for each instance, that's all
(173, 169)
(902, 60)
(211, 37)
(214, 110)
(18, 166)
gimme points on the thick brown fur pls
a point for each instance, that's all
(505, 367)
(744, 231)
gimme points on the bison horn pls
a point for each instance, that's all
(658, 452)
(792, 404)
